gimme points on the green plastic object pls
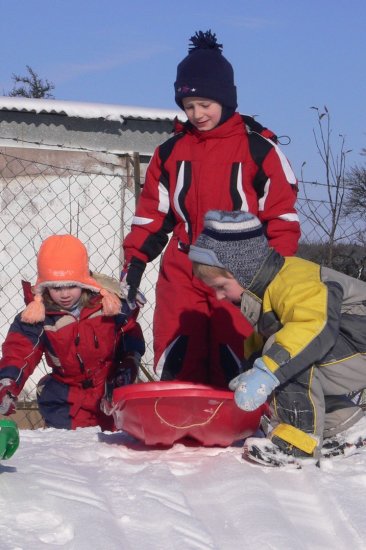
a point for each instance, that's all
(9, 438)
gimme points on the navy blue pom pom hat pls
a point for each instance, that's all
(234, 241)
(206, 73)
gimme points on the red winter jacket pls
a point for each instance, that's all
(227, 168)
(80, 352)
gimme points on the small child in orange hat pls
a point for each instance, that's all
(82, 328)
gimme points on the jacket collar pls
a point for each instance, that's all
(234, 125)
(267, 272)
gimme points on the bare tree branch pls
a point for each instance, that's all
(31, 85)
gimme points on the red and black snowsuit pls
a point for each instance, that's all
(80, 352)
(231, 167)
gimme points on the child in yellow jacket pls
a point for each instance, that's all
(313, 321)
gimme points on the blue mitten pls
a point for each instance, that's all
(253, 386)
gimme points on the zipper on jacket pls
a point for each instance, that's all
(96, 343)
(81, 363)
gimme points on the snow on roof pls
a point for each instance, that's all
(86, 110)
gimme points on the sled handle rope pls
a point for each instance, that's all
(189, 425)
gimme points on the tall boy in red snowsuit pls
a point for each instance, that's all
(213, 161)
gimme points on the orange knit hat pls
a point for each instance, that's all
(63, 261)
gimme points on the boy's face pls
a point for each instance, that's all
(225, 288)
(204, 114)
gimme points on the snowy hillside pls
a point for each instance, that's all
(87, 490)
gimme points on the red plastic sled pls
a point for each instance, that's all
(165, 412)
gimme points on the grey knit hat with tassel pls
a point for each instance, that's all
(234, 241)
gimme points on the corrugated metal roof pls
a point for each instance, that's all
(86, 110)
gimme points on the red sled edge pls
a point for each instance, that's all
(161, 413)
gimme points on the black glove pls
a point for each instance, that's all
(127, 371)
(131, 282)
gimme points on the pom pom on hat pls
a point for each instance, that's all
(35, 311)
(110, 302)
(205, 72)
(234, 241)
(63, 261)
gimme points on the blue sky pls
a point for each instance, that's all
(288, 55)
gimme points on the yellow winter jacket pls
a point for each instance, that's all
(306, 307)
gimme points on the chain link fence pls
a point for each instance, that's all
(92, 196)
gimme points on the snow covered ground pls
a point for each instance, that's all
(87, 490)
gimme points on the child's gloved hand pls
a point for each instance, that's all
(127, 371)
(8, 391)
(253, 386)
(130, 282)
